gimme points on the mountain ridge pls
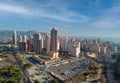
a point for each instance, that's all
(9, 33)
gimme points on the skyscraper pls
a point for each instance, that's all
(20, 38)
(41, 43)
(71, 46)
(20, 42)
(47, 43)
(30, 44)
(25, 43)
(37, 42)
(54, 40)
(14, 38)
(25, 38)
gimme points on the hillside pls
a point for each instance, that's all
(7, 33)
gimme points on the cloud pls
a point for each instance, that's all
(15, 9)
(62, 14)
(106, 24)
(96, 17)
(109, 18)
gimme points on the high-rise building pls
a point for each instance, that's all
(31, 39)
(116, 49)
(103, 50)
(20, 38)
(25, 43)
(41, 43)
(37, 42)
(20, 42)
(29, 48)
(25, 38)
(74, 48)
(14, 38)
(30, 44)
(71, 46)
(47, 43)
(54, 40)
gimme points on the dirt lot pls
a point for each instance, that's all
(6, 59)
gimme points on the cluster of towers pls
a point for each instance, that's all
(100, 47)
(71, 45)
(50, 44)
(37, 42)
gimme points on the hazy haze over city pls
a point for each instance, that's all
(71, 17)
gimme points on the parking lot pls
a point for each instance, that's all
(68, 70)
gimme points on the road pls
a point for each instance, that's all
(26, 76)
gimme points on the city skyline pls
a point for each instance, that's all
(72, 18)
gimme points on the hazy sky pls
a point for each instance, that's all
(70, 17)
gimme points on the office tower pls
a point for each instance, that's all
(37, 43)
(71, 46)
(14, 38)
(41, 43)
(25, 43)
(63, 44)
(54, 40)
(101, 49)
(30, 44)
(116, 49)
(94, 42)
(31, 39)
(58, 46)
(25, 38)
(20, 42)
(20, 38)
(47, 43)
(74, 48)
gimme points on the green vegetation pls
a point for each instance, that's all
(92, 67)
(36, 81)
(27, 66)
(91, 72)
(22, 60)
(55, 81)
(29, 53)
(82, 77)
(10, 74)
(85, 49)
(11, 80)
(81, 54)
(86, 73)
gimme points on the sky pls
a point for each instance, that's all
(98, 18)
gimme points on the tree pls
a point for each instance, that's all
(55, 81)
(27, 66)
(37, 81)
(13, 73)
(11, 81)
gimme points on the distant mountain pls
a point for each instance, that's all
(7, 33)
